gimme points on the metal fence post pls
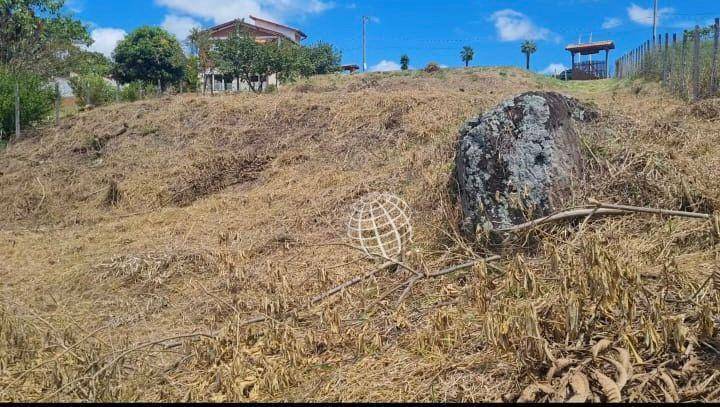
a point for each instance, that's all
(714, 75)
(696, 64)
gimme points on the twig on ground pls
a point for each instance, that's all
(351, 283)
(410, 283)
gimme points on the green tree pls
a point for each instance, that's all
(238, 56)
(149, 54)
(36, 95)
(404, 62)
(528, 48)
(192, 73)
(325, 58)
(201, 45)
(35, 40)
(84, 62)
(36, 36)
(467, 54)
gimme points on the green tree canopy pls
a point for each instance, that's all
(404, 62)
(35, 35)
(325, 58)
(149, 54)
(87, 62)
(467, 54)
(239, 55)
(528, 48)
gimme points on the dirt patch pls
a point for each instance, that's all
(204, 178)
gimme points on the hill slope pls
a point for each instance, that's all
(159, 219)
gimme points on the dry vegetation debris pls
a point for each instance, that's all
(149, 298)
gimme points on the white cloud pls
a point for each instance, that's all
(644, 16)
(220, 11)
(611, 22)
(75, 6)
(553, 69)
(385, 66)
(513, 25)
(179, 26)
(105, 39)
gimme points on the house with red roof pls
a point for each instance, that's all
(263, 31)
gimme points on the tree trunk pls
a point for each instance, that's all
(527, 61)
(467, 63)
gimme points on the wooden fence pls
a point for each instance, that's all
(686, 63)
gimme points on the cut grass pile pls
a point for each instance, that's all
(137, 241)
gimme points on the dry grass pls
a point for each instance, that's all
(222, 210)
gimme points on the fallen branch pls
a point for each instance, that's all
(666, 212)
(351, 283)
(600, 209)
(462, 266)
(413, 280)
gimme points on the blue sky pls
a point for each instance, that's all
(427, 30)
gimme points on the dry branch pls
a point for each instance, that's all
(351, 283)
(600, 209)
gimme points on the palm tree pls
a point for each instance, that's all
(404, 62)
(528, 48)
(467, 54)
(200, 43)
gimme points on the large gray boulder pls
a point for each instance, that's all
(518, 160)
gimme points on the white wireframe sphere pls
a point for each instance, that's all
(380, 225)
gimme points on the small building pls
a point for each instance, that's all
(350, 68)
(589, 70)
(263, 31)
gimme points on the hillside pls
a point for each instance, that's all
(154, 220)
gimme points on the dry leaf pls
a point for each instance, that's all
(581, 388)
(530, 393)
(600, 346)
(609, 387)
(622, 376)
(559, 366)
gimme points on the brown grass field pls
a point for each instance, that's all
(137, 241)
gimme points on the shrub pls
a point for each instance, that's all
(92, 89)
(432, 67)
(271, 89)
(36, 100)
(131, 92)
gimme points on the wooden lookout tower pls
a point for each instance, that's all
(588, 70)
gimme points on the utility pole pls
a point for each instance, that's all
(365, 19)
(655, 19)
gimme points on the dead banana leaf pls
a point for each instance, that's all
(530, 394)
(559, 366)
(581, 388)
(622, 376)
(600, 346)
(609, 388)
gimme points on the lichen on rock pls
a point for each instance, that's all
(517, 161)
